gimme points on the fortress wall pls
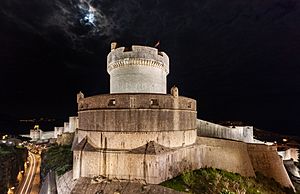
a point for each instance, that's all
(58, 131)
(131, 166)
(65, 138)
(227, 155)
(136, 101)
(119, 140)
(138, 79)
(266, 161)
(232, 156)
(130, 120)
(47, 134)
(65, 183)
(73, 124)
(291, 153)
(207, 129)
(120, 165)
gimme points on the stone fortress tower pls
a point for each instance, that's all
(137, 131)
(138, 70)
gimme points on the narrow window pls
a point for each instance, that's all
(112, 102)
(190, 105)
(154, 102)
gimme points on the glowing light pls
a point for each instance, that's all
(88, 12)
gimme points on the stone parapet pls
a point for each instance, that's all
(137, 113)
(134, 54)
(136, 101)
(208, 129)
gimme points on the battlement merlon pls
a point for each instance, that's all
(137, 55)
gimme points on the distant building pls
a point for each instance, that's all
(36, 133)
(69, 127)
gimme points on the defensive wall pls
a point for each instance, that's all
(289, 153)
(69, 127)
(266, 160)
(292, 168)
(65, 183)
(58, 131)
(65, 138)
(137, 69)
(208, 129)
(142, 163)
(111, 120)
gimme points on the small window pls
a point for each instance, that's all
(190, 105)
(154, 102)
(112, 102)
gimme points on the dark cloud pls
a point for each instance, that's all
(239, 59)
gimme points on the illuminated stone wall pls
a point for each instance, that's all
(140, 69)
(266, 160)
(290, 153)
(208, 129)
(154, 168)
(127, 121)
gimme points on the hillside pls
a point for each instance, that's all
(213, 181)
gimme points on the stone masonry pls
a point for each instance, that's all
(138, 132)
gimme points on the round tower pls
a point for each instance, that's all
(138, 69)
(137, 132)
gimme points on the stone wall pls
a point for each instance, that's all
(266, 160)
(228, 155)
(58, 131)
(127, 121)
(49, 184)
(73, 124)
(119, 140)
(136, 101)
(166, 163)
(290, 153)
(35, 134)
(156, 168)
(207, 129)
(65, 139)
(65, 183)
(47, 135)
(138, 70)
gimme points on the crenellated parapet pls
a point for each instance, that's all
(138, 55)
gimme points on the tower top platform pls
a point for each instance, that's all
(140, 55)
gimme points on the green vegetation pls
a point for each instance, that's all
(215, 181)
(58, 159)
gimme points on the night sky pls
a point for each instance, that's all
(239, 59)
